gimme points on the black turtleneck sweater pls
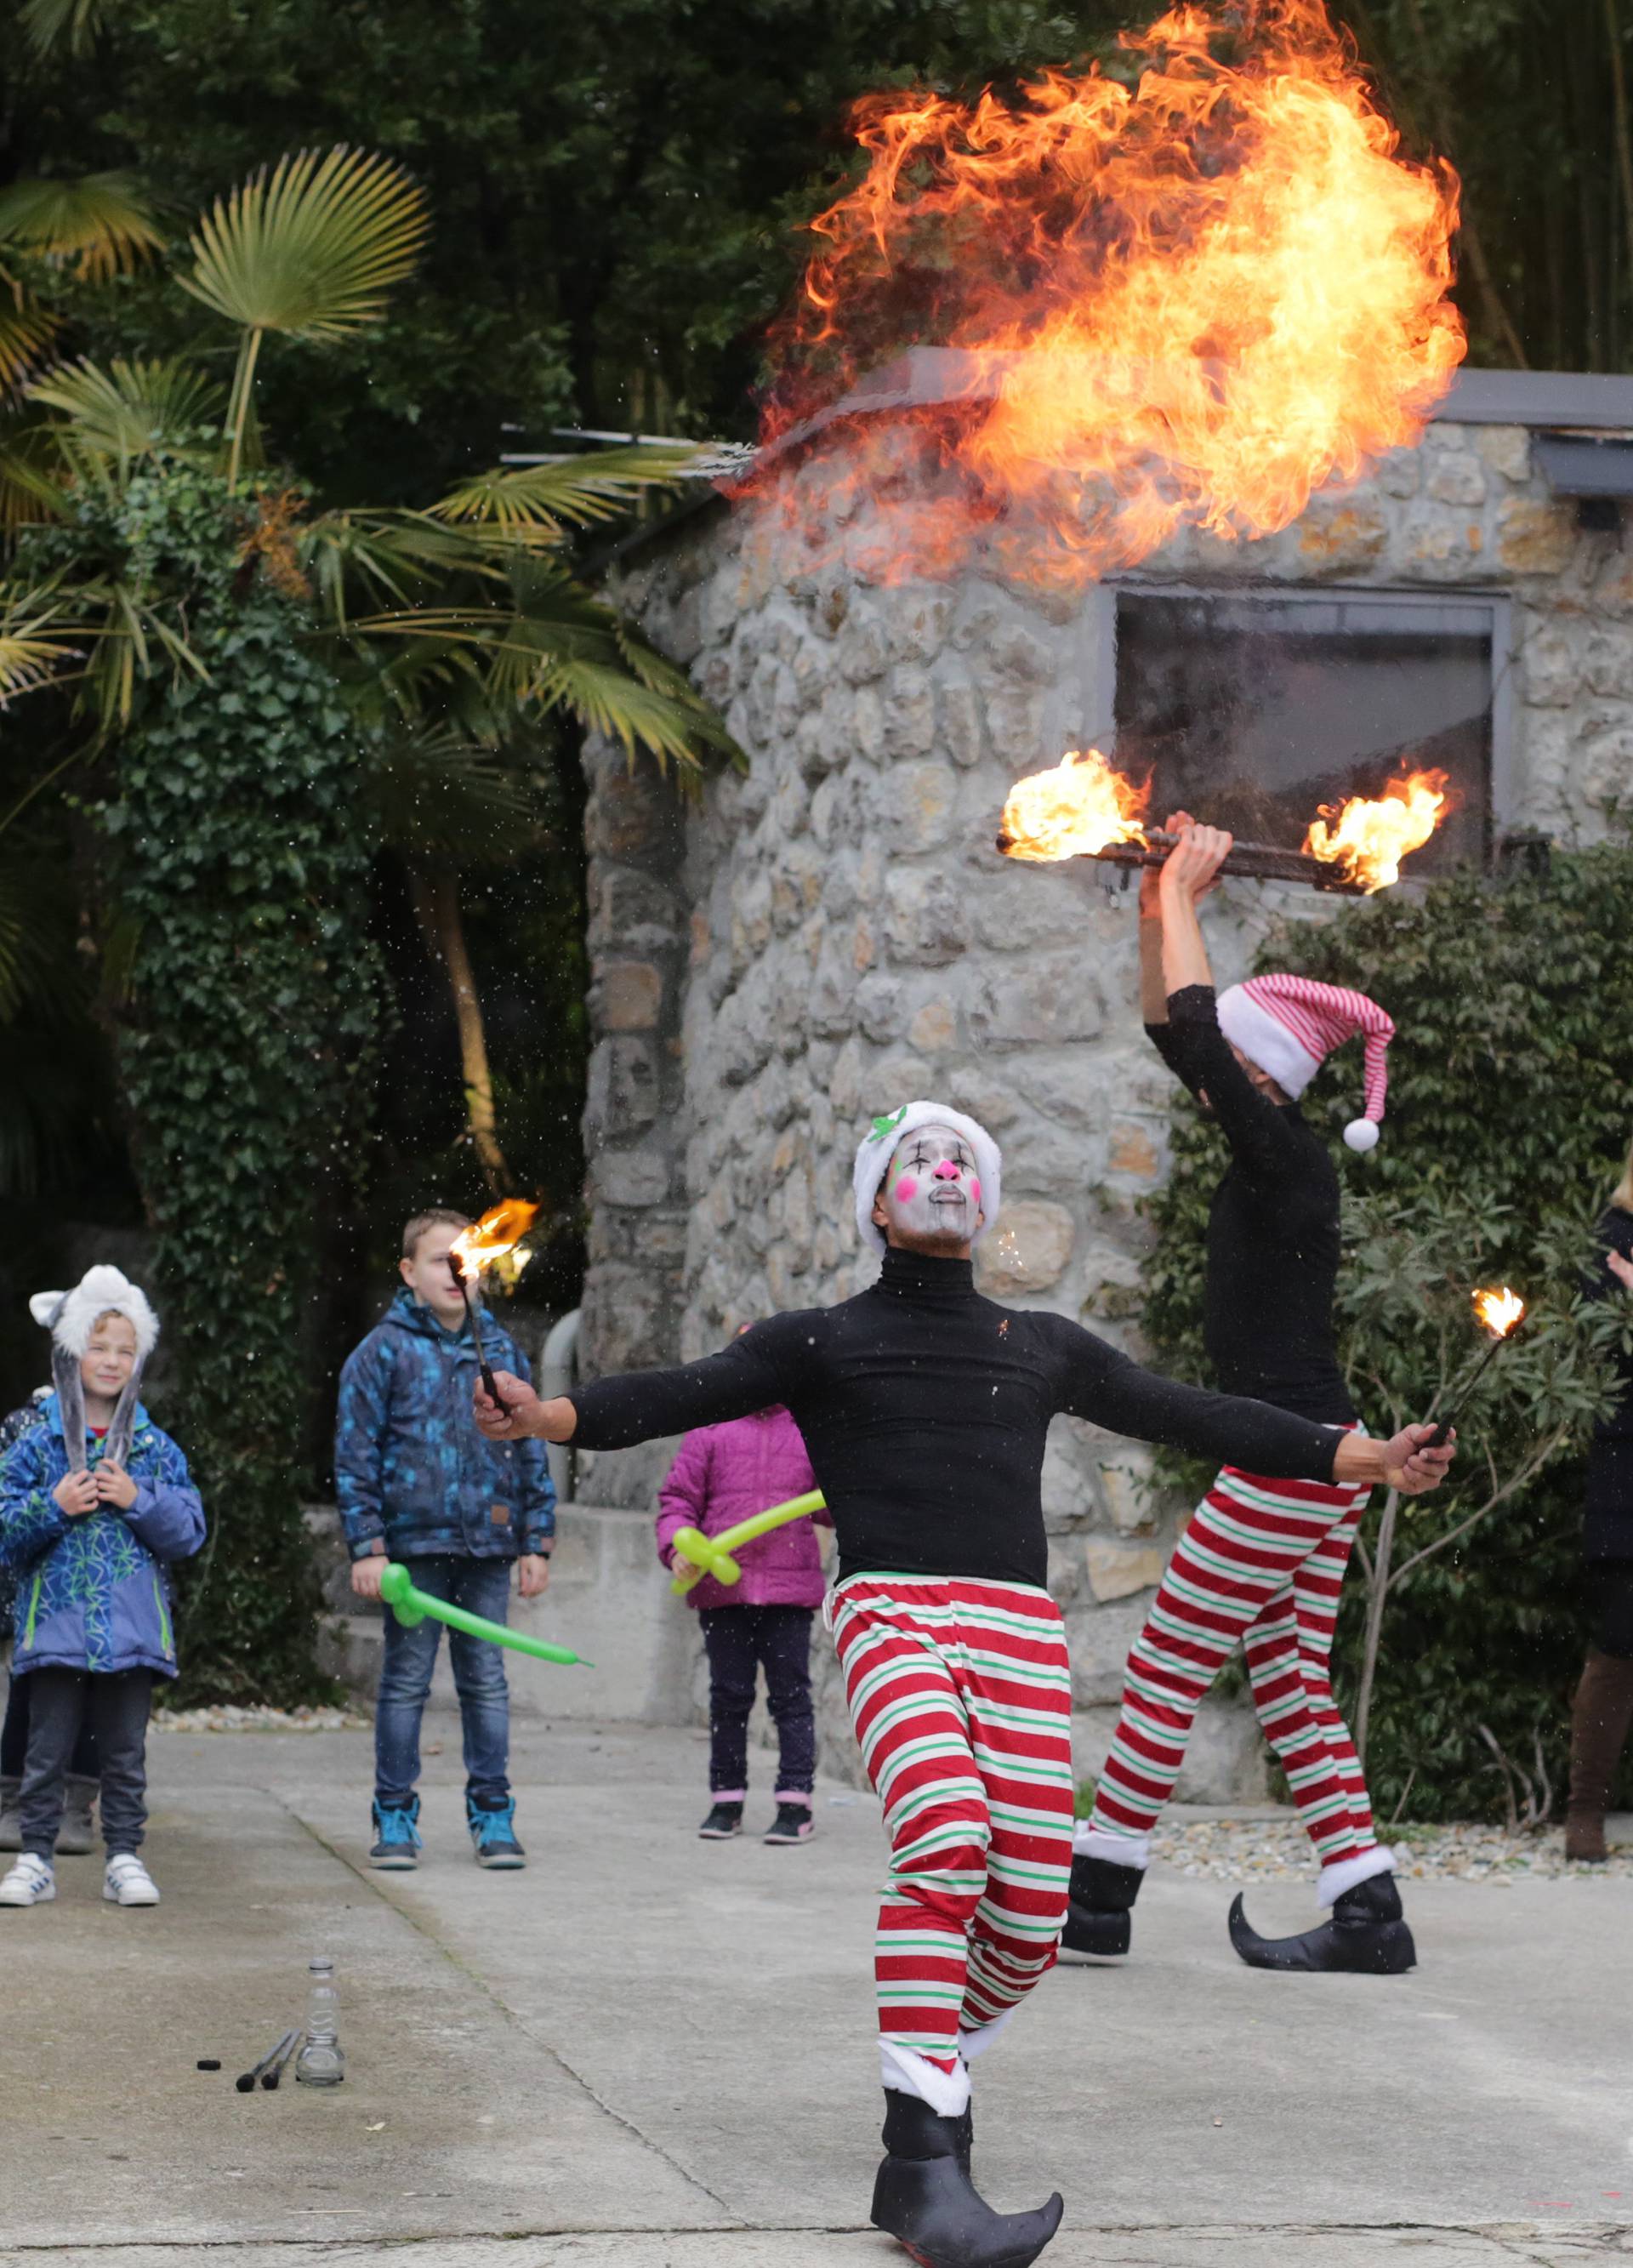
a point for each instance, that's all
(925, 1409)
(1273, 1242)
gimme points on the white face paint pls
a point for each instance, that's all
(930, 1200)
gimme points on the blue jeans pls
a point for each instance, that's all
(481, 1587)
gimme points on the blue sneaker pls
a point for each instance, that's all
(396, 1834)
(492, 1822)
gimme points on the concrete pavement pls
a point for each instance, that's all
(544, 2070)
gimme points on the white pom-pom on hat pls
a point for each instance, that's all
(1361, 1134)
(69, 1316)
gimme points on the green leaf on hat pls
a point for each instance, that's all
(887, 1124)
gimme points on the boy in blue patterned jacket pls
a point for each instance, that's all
(95, 1506)
(416, 1482)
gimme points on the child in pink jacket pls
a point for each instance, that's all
(721, 1475)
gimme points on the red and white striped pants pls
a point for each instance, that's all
(960, 1695)
(1261, 1562)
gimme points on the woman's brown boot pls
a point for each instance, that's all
(1598, 1732)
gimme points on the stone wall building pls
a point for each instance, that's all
(834, 932)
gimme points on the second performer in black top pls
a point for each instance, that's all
(1260, 1563)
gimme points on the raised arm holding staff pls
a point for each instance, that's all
(924, 1407)
(1262, 1560)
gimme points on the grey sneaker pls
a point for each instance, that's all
(396, 1834)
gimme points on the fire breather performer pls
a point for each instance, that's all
(925, 1409)
(1261, 1559)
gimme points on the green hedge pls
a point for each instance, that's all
(1511, 1105)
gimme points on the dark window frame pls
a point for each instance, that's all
(1459, 611)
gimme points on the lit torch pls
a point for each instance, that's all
(1083, 808)
(494, 1237)
(1501, 1313)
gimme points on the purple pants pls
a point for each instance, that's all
(740, 1640)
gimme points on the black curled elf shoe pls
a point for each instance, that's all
(1098, 1921)
(1367, 1936)
(923, 2197)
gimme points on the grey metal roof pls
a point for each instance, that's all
(1576, 467)
(1578, 399)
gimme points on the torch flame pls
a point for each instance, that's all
(1079, 806)
(1499, 1312)
(1191, 298)
(489, 1239)
(1368, 839)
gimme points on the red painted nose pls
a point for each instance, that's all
(946, 1171)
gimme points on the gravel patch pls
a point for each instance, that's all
(255, 1717)
(1261, 1850)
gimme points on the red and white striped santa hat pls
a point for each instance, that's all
(1287, 1024)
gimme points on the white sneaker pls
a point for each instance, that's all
(31, 1882)
(128, 1882)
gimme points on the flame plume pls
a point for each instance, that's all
(496, 1235)
(1194, 298)
(1367, 839)
(1499, 1312)
(1079, 806)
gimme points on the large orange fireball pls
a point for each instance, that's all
(1192, 298)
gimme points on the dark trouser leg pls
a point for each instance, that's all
(730, 1639)
(483, 1586)
(785, 1652)
(14, 1732)
(407, 1660)
(120, 1707)
(53, 1712)
(1603, 1709)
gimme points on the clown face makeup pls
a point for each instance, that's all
(929, 1199)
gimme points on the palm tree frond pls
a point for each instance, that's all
(26, 331)
(443, 798)
(537, 502)
(386, 556)
(77, 21)
(309, 249)
(37, 637)
(132, 409)
(99, 225)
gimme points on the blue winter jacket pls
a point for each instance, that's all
(410, 1467)
(93, 1593)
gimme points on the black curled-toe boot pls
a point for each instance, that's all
(1098, 1924)
(1367, 1935)
(923, 2195)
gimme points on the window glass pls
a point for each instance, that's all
(1254, 712)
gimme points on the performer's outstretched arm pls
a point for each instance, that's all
(615, 1413)
(1110, 1389)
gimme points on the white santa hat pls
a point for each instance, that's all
(1287, 1024)
(69, 1316)
(878, 1146)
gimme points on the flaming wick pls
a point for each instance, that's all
(1501, 1312)
(498, 1232)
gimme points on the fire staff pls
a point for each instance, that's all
(1262, 1560)
(924, 1407)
